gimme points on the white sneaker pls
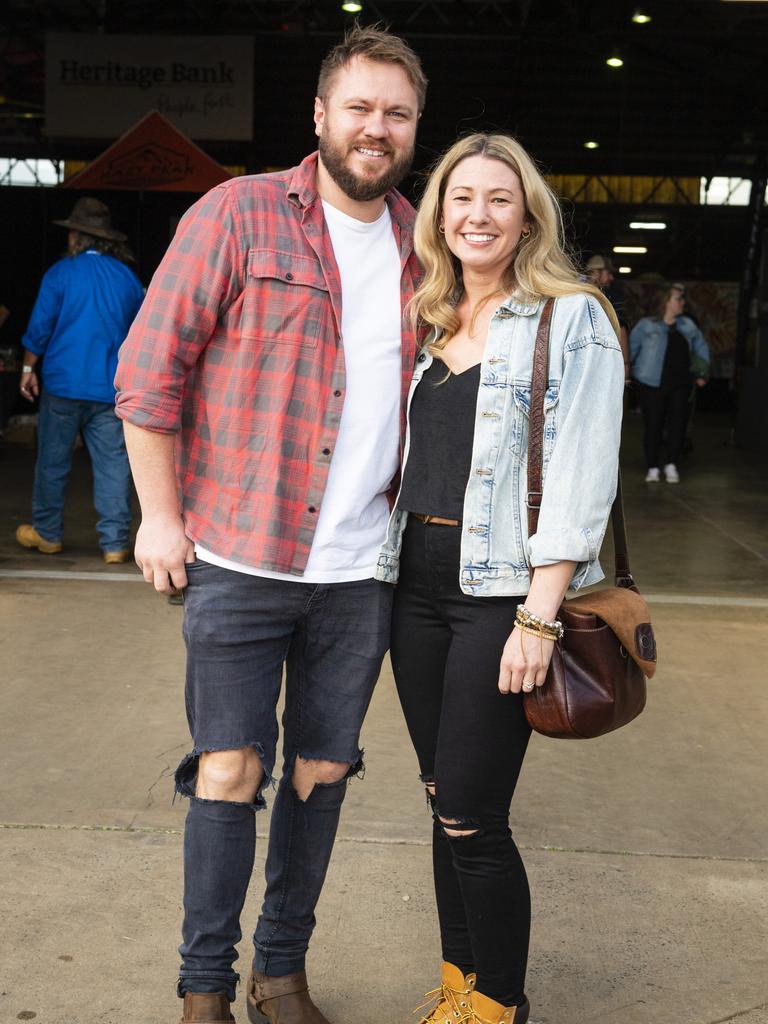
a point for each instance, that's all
(670, 473)
(653, 476)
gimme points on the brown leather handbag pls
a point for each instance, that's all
(596, 678)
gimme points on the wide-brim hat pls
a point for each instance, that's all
(92, 217)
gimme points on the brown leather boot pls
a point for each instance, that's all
(206, 1008)
(281, 1000)
(452, 997)
(487, 1011)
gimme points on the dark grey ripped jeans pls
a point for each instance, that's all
(240, 632)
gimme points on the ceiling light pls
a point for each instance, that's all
(351, 7)
(615, 61)
(639, 249)
(640, 17)
(648, 225)
(625, 270)
(591, 144)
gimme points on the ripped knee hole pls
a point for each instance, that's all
(459, 829)
(229, 774)
(308, 773)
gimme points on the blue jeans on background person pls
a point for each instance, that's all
(58, 424)
(240, 630)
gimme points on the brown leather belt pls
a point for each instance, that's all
(438, 520)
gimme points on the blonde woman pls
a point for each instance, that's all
(489, 236)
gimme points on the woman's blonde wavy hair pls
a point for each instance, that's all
(540, 268)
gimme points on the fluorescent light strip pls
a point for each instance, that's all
(639, 249)
(648, 225)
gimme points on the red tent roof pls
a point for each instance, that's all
(153, 156)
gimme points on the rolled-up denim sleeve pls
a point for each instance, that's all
(198, 278)
(580, 477)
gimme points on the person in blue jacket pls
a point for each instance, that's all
(668, 354)
(83, 310)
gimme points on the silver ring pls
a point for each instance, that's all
(528, 685)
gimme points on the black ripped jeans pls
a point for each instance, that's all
(470, 740)
(665, 415)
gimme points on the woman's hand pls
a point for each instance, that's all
(524, 662)
(526, 658)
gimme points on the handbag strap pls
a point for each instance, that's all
(539, 380)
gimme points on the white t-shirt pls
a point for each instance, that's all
(353, 517)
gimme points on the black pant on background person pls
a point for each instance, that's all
(665, 415)
(470, 740)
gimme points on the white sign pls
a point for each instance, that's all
(98, 86)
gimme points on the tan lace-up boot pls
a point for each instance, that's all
(452, 1005)
(488, 1011)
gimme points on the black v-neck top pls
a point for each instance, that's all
(675, 373)
(442, 429)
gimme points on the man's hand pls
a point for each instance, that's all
(29, 386)
(162, 549)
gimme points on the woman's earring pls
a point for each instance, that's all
(441, 228)
(525, 234)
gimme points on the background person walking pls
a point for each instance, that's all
(82, 314)
(668, 353)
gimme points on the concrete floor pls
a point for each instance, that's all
(647, 850)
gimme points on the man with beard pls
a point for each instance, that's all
(272, 358)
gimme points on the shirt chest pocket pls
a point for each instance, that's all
(286, 299)
(522, 412)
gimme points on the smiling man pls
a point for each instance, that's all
(272, 361)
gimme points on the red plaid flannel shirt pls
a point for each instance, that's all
(238, 348)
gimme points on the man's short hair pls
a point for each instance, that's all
(599, 263)
(375, 44)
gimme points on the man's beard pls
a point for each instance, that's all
(362, 190)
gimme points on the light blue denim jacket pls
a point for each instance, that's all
(648, 347)
(581, 448)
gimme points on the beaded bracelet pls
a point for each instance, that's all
(525, 617)
(545, 634)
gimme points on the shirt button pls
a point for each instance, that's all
(337, 394)
(289, 276)
(311, 509)
(326, 451)
(422, 358)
